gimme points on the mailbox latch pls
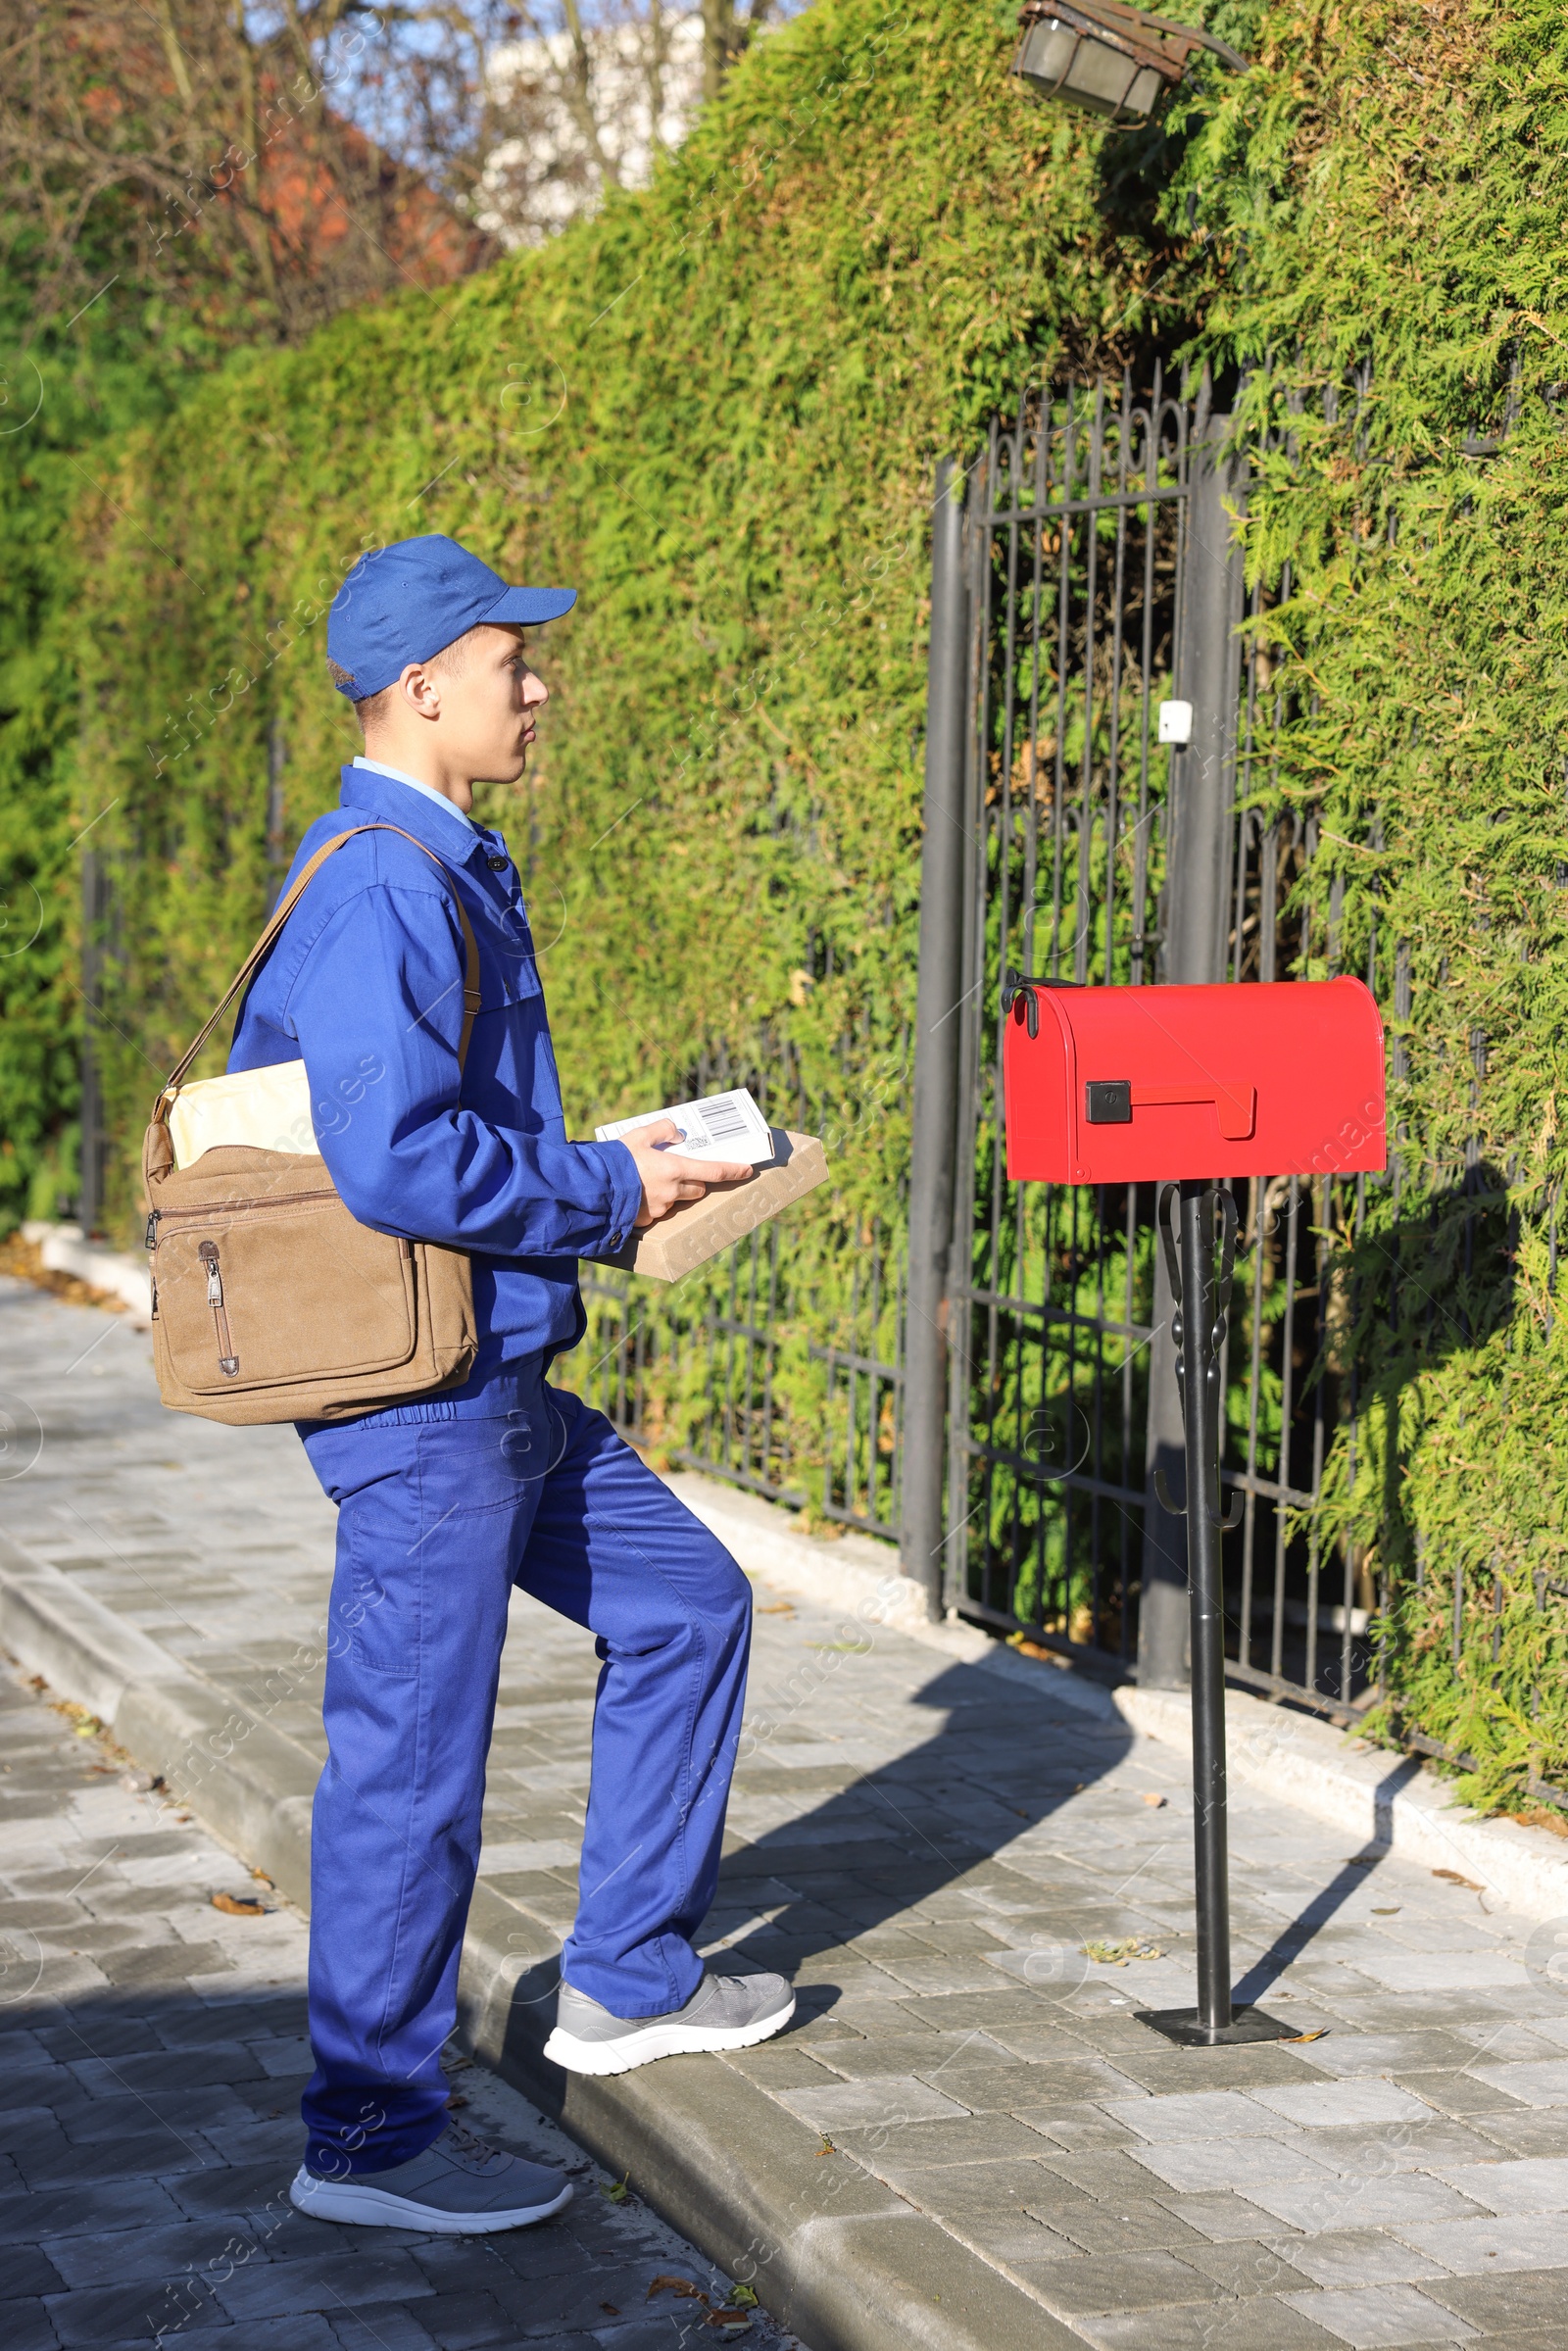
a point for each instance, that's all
(1108, 1102)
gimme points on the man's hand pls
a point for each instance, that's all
(668, 1176)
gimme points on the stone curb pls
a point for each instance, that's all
(1394, 1802)
(251, 1783)
(835, 2256)
(838, 2257)
(64, 1249)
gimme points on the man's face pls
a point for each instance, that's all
(488, 706)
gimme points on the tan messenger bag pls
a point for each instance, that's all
(270, 1301)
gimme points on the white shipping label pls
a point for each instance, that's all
(721, 1126)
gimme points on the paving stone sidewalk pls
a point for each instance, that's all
(152, 2055)
(928, 1849)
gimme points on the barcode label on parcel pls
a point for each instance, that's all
(723, 1118)
(720, 1126)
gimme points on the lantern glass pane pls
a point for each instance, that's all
(1062, 63)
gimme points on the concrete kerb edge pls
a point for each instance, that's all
(1379, 1798)
(251, 1784)
(64, 1249)
(757, 2189)
(705, 2148)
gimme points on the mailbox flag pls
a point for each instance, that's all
(1139, 1085)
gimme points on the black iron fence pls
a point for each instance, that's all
(982, 1371)
(779, 1367)
(1116, 704)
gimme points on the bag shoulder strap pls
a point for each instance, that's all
(280, 914)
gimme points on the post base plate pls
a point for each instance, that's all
(1181, 2026)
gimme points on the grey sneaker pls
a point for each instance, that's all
(724, 2012)
(459, 2186)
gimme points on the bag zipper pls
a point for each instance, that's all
(228, 1360)
(225, 1208)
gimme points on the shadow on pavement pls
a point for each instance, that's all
(1003, 1762)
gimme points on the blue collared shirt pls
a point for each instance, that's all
(400, 776)
(366, 985)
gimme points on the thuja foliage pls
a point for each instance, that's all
(1387, 207)
(60, 396)
(715, 409)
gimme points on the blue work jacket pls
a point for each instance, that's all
(366, 985)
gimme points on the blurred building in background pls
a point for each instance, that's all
(582, 110)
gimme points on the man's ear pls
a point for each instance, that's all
(417, 688)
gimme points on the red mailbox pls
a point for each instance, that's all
(1132, 1084)
(1190, 1087)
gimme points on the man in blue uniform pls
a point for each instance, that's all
(444, 1505)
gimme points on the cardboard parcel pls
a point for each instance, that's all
(689, 1236)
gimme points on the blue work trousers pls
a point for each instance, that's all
(441, 1510)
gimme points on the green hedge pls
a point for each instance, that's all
(59, 397)
(1397, 202)
(716, 410)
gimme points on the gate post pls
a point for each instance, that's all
(1197, 930)
(934, 1126)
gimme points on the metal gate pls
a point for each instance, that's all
(1088, 583)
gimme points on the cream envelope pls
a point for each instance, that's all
(268, 1108)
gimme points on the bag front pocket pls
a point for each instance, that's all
(267, 1293)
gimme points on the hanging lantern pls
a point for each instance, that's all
(1105, 58)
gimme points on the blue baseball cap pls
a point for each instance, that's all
(405, 603)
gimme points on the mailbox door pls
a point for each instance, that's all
(1134, 1085)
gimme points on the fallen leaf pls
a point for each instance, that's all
(1118, 1954)
(1149, 1798)
(1320, 2035)
(1454, 1878)
(240, 1906)
(677, 2286)
(742, 2298)
(828, 2147)
(1542, 1816)
(1388, 1912)
(612, 2310)
(615, 2189)
(455, 2099)
(776, 1608)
